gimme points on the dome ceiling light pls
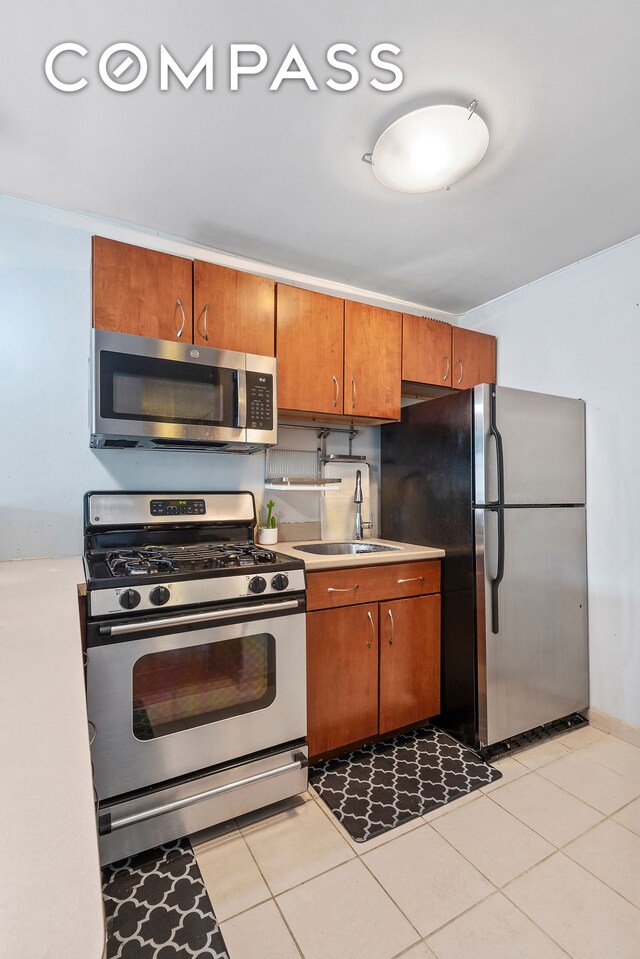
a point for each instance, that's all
(429, 149)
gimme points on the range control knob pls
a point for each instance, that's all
(129, 599)
(258, 584)
(280, 581)
(159, 596)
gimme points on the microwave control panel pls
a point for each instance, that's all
(259, 401)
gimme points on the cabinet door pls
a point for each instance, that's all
(426, 350)
(372, 361)
(142, 292)
(342, 676)
(409, 661)
(474, 358)
(233, 310)
(309, 348)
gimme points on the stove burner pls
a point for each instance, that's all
(151, 560)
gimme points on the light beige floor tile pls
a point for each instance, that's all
(260, 932)
(629, 816)
(615, 754)
(491, 930)
(612, 854)
(212, 832)
(596, 785)
(344, 914)
(585, 917)
(421, 951)
(580, 737)
(543, 753)
(550, 811)
(427, 879)
(295, 846)
(451, 806)
(493, 840)
(510, 768)
(230, 874)
(362, 847)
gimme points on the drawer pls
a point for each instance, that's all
(371, 584)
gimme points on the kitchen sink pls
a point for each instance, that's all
(341, 549)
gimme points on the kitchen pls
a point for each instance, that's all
(430, 882)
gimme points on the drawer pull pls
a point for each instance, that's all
(393, 627)
(343, 589)
(373, 630)
(412, 579)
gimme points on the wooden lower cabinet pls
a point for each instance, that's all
(342, 676)
(409, 661)
(371, 668)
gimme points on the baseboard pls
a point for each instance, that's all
(615, 727)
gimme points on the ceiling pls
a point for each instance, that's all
(277, 176)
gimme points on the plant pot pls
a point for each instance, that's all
(267, 536)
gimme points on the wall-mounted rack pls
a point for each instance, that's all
(288, 469)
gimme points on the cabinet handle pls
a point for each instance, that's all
(91, 723)
(342, 589)
(373, 630)
(205, 331)
(393, 628)
(412, 579)
(353, 392)
(447, 366)
(337, 390)
(184, 319)
(459, 363)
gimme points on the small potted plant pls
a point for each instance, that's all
(268, 532)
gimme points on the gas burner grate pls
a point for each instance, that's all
(193, 558)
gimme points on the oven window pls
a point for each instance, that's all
(183, 688)
(146, 388)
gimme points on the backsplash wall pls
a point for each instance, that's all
(46, 464)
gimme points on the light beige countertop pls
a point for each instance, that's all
(406, 553)
(50, 891)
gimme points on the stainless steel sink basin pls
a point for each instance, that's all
(343, 549)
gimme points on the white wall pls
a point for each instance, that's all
(577, 333)
(45, 462)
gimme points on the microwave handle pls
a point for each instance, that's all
(240, 380)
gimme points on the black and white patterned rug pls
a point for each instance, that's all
(157, 907)
(373, 789)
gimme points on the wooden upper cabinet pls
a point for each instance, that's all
(474, 358)
(142, 292)
(309, 348)
(372, 361)
(426, 350)
(233, 310)
(342, 676)
(409, 661)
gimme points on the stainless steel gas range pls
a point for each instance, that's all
(196, 671)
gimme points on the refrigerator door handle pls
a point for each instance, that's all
(495, 432)
(495, 582)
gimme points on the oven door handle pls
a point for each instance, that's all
(108, 825)
(189, 618)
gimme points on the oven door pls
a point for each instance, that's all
(174, 695)
(154, 393)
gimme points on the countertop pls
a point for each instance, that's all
(407, 553)
(50, 891)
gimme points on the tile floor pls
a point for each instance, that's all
(543, 864)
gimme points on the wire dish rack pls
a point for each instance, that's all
(297, 469)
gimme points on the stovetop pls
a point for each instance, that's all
(197, 557)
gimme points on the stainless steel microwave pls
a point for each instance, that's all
(155, 394)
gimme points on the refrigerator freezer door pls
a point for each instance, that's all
(535, 668)
(543, 447)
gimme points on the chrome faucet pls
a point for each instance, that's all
(357, 499)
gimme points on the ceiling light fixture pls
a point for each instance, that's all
(429, 149)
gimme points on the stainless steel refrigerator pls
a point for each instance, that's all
(496, 477)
